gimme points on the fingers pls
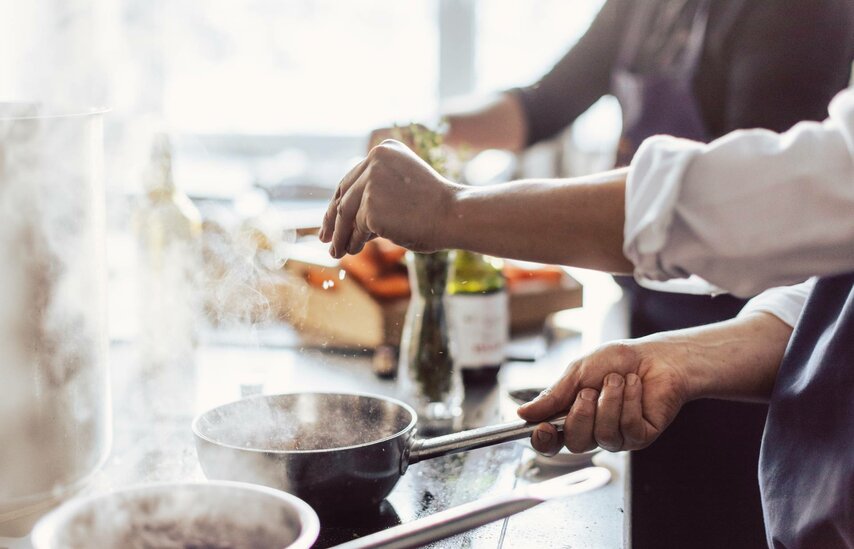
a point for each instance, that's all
(345, 219)
(588, 371)
(553, 400)
(328, 226)
(632, 423)
(547, 404)
(546, 440)
(611, 418)
(338, 223)
(578, 430)
(361, 233)
(608, 414)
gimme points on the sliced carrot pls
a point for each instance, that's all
(548, 274)
(361, 266)
(320, 277)
(389, 253)
(389, 287)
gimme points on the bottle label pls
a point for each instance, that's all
(479, 325)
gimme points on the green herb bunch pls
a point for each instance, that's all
(426, 143)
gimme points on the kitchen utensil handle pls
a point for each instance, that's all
(477, 513)
(444, 524)
(427, 448)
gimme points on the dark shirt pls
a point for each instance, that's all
(766, 63)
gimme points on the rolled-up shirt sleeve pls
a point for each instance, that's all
(786, 303)
(750, 211)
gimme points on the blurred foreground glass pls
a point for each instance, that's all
(55, 401)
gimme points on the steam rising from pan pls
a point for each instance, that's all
(299, 423)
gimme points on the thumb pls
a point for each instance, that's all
(550, 402)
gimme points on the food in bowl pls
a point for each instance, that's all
(212, 515)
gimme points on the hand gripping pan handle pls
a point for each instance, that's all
(477, 513)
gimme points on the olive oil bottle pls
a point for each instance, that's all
(478, 316)
(168, 227)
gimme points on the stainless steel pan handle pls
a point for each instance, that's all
(477, 513)
(421, 449)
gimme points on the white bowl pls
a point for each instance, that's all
(564, 458)
(179, 515)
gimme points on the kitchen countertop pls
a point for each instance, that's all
(148, 447)
(162, 449)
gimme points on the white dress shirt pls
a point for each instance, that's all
(750, 211)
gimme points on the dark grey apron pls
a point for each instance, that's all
(807, 463)
(696, 486)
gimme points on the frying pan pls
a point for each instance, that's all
(333, 450)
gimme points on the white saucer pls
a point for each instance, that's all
(564, 458)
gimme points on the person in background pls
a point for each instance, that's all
(751, 211)
(696, 69)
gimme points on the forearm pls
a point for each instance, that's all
(737, 359)
(496, 123)
(576, 222)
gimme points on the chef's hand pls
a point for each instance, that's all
(620, 397)
(394, 194)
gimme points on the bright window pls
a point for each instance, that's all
(517, 42)
(332, 67)
(296, 66)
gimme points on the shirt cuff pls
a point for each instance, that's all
(652, 191)
(786, 302)
(693, 285)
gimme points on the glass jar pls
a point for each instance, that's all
(55, 402)
(427, 376)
